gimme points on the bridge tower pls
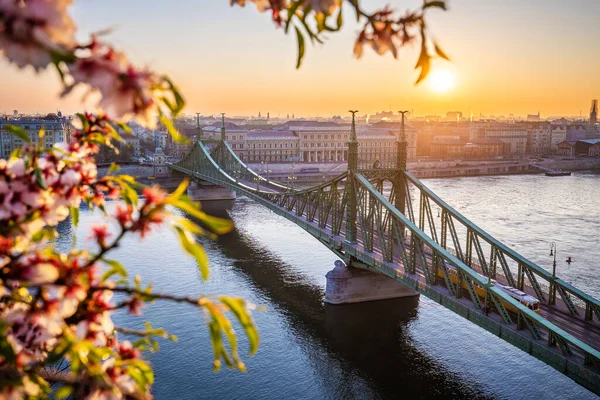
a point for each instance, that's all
(198, 129)
(351, 229)
(354, 285)
(223, 127)
(401, 156)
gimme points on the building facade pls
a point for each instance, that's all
(539, 140)
(56, 129)
(559, 134)
(269, 146)
(513, 136)
(133, 142)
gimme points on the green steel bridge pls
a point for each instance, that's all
(382, 219)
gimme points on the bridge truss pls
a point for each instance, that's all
(384, 220)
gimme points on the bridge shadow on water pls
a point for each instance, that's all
(371, 340)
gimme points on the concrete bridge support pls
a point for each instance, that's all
(354, 285)
(205, 191)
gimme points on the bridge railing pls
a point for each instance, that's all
(499, 255)
(238, 165)
(440, 256)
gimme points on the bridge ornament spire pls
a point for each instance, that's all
(198, 129)
(223, 126)
(353, 146)
(351, 215)
(402, 144)
(400, 182)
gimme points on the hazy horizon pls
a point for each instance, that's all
(507, 57)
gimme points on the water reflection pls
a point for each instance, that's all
(359, 350)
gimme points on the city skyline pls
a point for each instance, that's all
(529, 70)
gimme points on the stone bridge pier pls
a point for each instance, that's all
(354, 285)
(208, 192)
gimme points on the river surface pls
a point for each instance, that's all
(385, 349)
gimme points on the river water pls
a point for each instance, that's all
(386, 349)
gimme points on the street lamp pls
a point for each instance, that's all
(292, 177)
(553, 253)
(552, 294)
(257, 180)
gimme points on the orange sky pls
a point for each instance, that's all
(507, 57)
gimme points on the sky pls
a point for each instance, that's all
(508, 56)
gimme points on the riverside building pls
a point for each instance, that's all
(311, 141)
(56, 130)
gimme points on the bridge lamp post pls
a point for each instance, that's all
(291, 180)
(552, 296)
(257, 180)
(292, 177)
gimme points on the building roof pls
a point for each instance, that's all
(590, 141)
(189, 132)
(257, 135)
(310, 124)
(390, 125)
(229, 126)
(569, 142)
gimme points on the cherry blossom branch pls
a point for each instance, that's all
(199, 301)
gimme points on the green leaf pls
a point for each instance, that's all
(189, 226)
(194, 250)
(238, 308)
(356, 9)
(217, 225)
(440, 52)
(116, 269)
(177, 137)
(84, 122)
(290, 14)
(424, 61)
(128, 193)
(179, 191)
(435, 4)
(16, 153)
(301, 45)
(38, 178)
(179, 100)
(117, 266)
(113, 168)
(144, 368)
(63, 392)
(75, 215)
(18, 132)
(225, 326)
(189, 208)
(125, 127)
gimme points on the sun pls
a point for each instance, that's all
(441, 80)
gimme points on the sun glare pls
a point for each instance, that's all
(441, 80)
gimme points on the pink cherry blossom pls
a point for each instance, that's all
(34, 28)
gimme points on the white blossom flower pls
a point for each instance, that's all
(16, 167)
(41, 273)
